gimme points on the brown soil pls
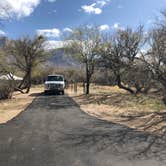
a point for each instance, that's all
(141, 112)
(19, 102)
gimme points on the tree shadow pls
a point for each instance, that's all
(118, 99)
(144, 142)
(83, 132)
(154, 120)
(135, 108)
(101, 136)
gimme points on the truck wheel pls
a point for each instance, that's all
(63, 92)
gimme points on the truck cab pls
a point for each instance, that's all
(54, 83)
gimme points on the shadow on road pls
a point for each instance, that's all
(146, 119)
(55, 124)
(103, 135)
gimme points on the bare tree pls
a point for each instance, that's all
(5, 12)
(25, 54)
(139, 77)
(155, 58)
(82, 45)
(119, 53)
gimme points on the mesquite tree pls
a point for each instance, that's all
(25, 54)
(155, 58)
(5, 12)
(82, 45)
(119, 52)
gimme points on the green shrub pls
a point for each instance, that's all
(6, 89)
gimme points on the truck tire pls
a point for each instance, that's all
(45, 93)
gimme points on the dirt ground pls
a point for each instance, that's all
(141, 112)
(54, 131)
(11, 108)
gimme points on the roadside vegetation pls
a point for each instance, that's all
(129, 59)
(110, 103)
(12, 107)
(136, 61)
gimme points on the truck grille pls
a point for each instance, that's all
(54, 86)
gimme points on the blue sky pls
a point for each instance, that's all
(55, 17)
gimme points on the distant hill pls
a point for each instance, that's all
(59, 59)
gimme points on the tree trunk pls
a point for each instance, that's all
(163, 82)
(164, 99)
(164, 96)
(138, 88)
(122, 86)
(28, 88)
(28, 81)
(23, 81)
(87, 87)
(87, 80)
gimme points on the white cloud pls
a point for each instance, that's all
(96, 7)
(49, 32)
(51, 0)
(67, 29)
(117, 26)
(19, 8)
(53, 44)
(104, 27)
(91, 9)
(102, 2)
(2, 33)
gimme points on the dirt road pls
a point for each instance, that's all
(53, 131)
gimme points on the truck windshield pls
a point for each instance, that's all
(54, 78)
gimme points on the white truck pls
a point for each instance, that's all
(54, 83)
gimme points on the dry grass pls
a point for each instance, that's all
(11, 108)
(143, 112)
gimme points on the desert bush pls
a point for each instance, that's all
(119, 52)
(74, 75)
(26, 61)
(6, 89)
(104, 77)
(139, 77)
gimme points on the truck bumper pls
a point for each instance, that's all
(54, 91)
